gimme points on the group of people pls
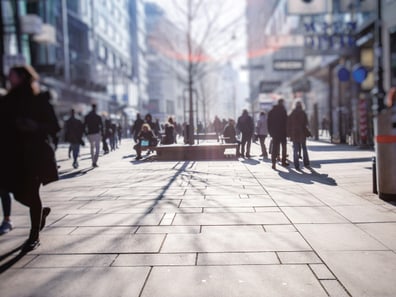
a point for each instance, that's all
(97, 132)
(279, 125)
(147, 133)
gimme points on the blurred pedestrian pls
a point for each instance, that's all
(146, 138)
(297, 128)
(229, 135)
(119, 133)
(277, 128)
(170, 132)
(262, 132)
(137, 127)
(93, 127)
(29, 124)
(74, 131)
(245, 125)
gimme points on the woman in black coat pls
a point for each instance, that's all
(27, 125)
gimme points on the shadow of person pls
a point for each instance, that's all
(310, 177)
(8, 264)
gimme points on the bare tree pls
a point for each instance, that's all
(200, 39)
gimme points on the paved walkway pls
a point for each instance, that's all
(226, 228)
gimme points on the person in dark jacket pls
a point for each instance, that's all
(229, 135)
(29, 124)
(297, 127)
(245, 125)
(277, 128)
(93, 127)
(74, 130)
(137, 127)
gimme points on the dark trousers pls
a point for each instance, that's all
(29, 196)
(276, 143)
(297, 147)
(262, 145)
(246, 141)
(6, 203)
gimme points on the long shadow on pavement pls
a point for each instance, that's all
(307, 178)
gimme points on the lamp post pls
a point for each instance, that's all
(378, 90)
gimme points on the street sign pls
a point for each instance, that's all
(288, 65)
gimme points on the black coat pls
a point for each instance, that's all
(74, 130)
(28, 126)
(277, 122)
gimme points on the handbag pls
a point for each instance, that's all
(307, 132)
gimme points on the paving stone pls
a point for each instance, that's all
(266, 209)
(230, 219)
(227, 209)
(98, 243)
(238, 242)
(74, 282)
(237, 258)
(296, 199)
(310, 215)
(219, 202)
(383, 232)
(364, 273)
(280, 228)
(58, 261)
(230, 281)
(109, 220)
(366, 213)
(321, 271)
(103, 230)
(298, 258)
(334, 288)
(339, 237)
(168, 229)
(155, 259)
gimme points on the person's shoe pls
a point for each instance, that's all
(248, 156)
(30, 244)
(44, 215)
(95, 165)
(273, 166)
(285, 164)
(75, 165)
(5, 227)
(138, 157)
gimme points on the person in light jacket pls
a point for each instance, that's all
(262, 132)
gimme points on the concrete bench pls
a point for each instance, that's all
(206, 136)
(180, 152)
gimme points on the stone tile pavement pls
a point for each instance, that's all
(207, 228)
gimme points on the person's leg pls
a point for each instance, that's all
(248, 144)
(296, 149)
(305, 154)
(92, 144)
(138, 150)
(275, 151)
(261, 141)
(76, 151)
(243, 144)
(97, 138)
(6, 225)
(284, 152)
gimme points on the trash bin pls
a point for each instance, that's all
(386, 153)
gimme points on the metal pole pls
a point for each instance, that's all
(378, 91)
(17, 26)
(65, 32)
(190, 79)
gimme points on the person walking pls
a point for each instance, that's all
(137, 127)
(93, 127)
(29, 124)
(74, 130)
(245, 125)
(297, 128)
(262, 132)
(277, 128)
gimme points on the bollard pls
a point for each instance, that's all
(374, 171)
